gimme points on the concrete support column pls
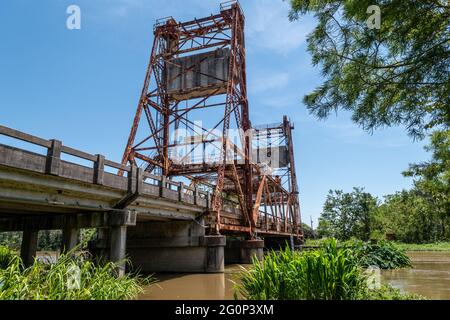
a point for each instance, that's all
(29, 246)
(175, 246)
(69, 239)
(118, 238)
(242, 251)
(251, 249)
(215, 256)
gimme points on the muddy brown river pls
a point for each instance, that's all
(430, 277)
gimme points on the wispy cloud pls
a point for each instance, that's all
(346, 131)
(157, 9)
(267, 23)
(269, 26)
(268, 82)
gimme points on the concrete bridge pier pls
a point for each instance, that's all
(70, 237)
(117, 253)
(175, 246)
(243, 251)
(29, 245)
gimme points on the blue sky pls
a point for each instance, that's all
(82, 86)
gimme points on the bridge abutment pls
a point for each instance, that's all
(175, 246)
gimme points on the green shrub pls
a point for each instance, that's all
(383, 254)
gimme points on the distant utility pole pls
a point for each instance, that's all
(312, 228)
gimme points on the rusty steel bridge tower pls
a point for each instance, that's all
(192, 125)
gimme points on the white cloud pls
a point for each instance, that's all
(346, 131)
(268, 26)
(122, 8)
(158, 9)
(267, 23)
(269, 82)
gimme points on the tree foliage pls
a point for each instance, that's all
(419, 215)
(432, 178)
(347, 215)
(395, 75)
(308, 233)
(423, 213)
(411, 218)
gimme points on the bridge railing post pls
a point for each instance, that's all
(99, 169)
(132, 179)
(162, 185)
(53, 162)
(180, 191)
(207, 199)
(195, 195)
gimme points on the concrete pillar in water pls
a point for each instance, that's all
(175, 246)
(118, 238)
(215, 256)
(29, 246)
(243, 251)
(251, 249)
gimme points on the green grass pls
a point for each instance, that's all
(314, 242)
(438, 246)
(72, 277)
(329, 273)
(6, 256)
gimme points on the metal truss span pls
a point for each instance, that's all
(192, 126)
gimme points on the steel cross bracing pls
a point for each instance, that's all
(197, 72)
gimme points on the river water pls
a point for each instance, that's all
(430, 277)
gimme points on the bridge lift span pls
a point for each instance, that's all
(192, 124)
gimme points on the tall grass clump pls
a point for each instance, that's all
(327, 274)
(72, 277)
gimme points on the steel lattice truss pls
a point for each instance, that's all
(192, 124)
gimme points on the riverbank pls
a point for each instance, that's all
(436, 246)
(439, 246)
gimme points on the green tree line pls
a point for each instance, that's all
(419, 215)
